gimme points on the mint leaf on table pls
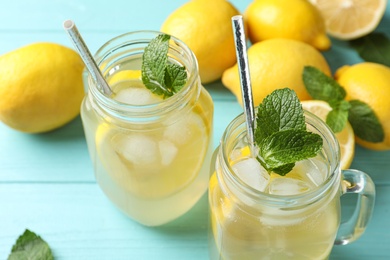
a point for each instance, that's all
(364, 122)
(338, 116)
(157, 75)
(322, 87)
(30, 246)
(374, 47)
(362, 118)
(281, 132)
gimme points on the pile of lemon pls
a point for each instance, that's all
(285, 36)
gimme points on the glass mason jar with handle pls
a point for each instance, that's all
(292, 217)
(151, 155)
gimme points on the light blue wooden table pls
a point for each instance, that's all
(47, 182)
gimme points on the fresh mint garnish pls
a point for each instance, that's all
(175, 77)
(374, 47)
(281, 132)
(362, 118)
(30, 246)
(159, 76)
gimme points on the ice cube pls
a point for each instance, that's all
(138, 149)
(168, 152)
(317, 174)
(235, 155)
(136, 96)
(252, 173)
(313, 170)
(287, 186)
(242, 152)
(181, 131)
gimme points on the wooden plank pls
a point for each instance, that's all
(80, 223)
(60, 155)
(90, 15)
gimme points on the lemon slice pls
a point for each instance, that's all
(350, 19)
(124, 75)
(221, 209)
(346, 137)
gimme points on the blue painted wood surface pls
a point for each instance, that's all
(47, 182)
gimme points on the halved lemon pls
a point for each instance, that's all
(346, 137)
(350, 19)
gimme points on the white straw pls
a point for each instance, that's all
(86, 56)
(246, 89)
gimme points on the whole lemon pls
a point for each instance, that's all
(293, 19)
(274, 64)
(205, 26)
(370, 83)
(41, 88)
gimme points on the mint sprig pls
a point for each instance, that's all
(364, 122)
(374, 47)
(322, 87)
(30, 246)
(362, 118)
(281, 132)
(159, 76)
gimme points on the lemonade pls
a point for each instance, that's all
(274, 232)
(151, 154)
(257, 214)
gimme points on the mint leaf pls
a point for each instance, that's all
(30, 246)
(157, 75)
(364, 122)
(338, 117)
(279, 111)
(322, 87)
(362, 118)
(374, 47)
(175, 77)
(281, 132)
(154, 61)
(284, 169)
(287, 147)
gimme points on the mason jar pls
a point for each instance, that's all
(151, 159)
(297, 216)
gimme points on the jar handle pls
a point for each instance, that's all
(354, 181)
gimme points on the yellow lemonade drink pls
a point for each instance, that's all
(250, 230)
(258, 214)
(151, 154)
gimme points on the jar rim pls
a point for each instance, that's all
(310, 196)
(143, 37)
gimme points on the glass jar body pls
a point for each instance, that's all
(248, 224)
(152, 161)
